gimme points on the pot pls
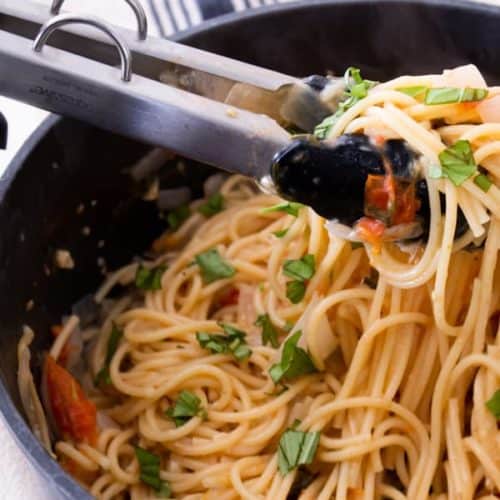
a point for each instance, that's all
(69, 176)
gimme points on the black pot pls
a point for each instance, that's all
(66, 163)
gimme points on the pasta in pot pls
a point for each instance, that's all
(261, 357)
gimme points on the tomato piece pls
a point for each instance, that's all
(371, 231)
(229, 298)
(407, 204)
(74, 414)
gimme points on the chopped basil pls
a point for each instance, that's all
(232, 342)
(149, 465)
(291, 208)
(295, 291)
(356, 244)
(356, 89)
(294, 361)
(296, 448)
(214, 205)
(187, 406)
(213, 266)
(300, 269)
(281, 233)
(417, 91)
(288, 326)
(483, 182)
(115, 336)
(176, 217)
(493, 404)
(452, 95)
(457, 163)
(269, 332)
(149, 279)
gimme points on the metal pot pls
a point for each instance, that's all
(68, 175)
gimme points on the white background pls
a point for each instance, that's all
(18, 480)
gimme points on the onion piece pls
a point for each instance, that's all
(104, 421)
(489, 110)
(463, 76)
(27, 391)
(86, 309)
(169, 199)
(213, 184)
(150, 163)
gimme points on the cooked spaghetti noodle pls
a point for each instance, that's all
(404, 365)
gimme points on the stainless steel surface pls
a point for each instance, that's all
(191, 125)
(135, 5)
(64, 19)
(204, 73)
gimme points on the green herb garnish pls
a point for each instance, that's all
(300, 269)
(291, 208)
(176, 217)
(294, 361)
(493, 404)
(149, 279)
(115, 336)
(295, 291)
(149, 465)
(356, 89)
(214, 205)
(269, 332)
(483, 182)
(417, 91)
(213, 267)
(281, 233)
(296, 448)
(232, 342)
(452, 95)
(457, 163)
(187, 406)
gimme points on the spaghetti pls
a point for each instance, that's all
(381, 386)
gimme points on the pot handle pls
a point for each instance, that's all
(135, 5)
(3, 132)
(57, 22)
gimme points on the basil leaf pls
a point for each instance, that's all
(300, 269)
(188, 405)
(269, 333)
(291, 208)
(457, 162)
(214, 205)
(213, 266)
(295, 291)
(294, 361)
(417, 91)
(176, 217)
(483, 182)
(281, 233)
(493, 404)
(115, 336)
(356, 244)
(149, 279)
(233, 342)
(296, 448)
(356, 89)
(452, 95)
(149, 465)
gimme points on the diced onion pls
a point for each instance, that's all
(489, 110)
(464, 76)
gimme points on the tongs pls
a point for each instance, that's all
(201, 105)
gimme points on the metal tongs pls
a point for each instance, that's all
(201, 105)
